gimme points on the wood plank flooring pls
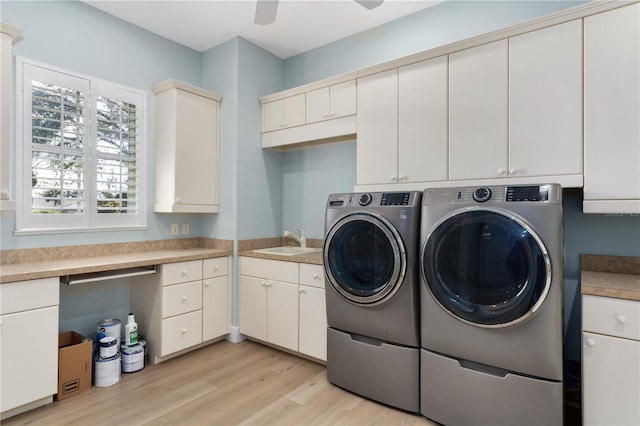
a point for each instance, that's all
(222, 384)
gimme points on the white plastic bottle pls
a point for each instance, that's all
(131, 331)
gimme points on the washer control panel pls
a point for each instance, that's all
(376, 199)
(472, 195)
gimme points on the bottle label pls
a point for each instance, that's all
(133, 337)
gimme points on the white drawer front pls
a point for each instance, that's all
(614, 317)
(181, 272)
(181, 298)
(26, 295)
(270, 269)
(312, 275)
(181, 332)
(216, 267)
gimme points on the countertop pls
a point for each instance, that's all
(611, 276)
(314, 258)
(62, 267)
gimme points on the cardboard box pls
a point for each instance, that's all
(74, 364)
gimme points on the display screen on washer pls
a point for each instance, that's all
(528, 193)
(395, 199)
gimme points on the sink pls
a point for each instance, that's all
(288, 250)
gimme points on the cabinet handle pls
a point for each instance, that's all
(401, 178)
(513, 172)
(263, 283)
(502, 172)
(184, 273)
(207, 283)
(621, 319)
(590, 342)
(285, 124)
(216, 267)
(394, 179)
(316, 276)
(184, 331)
(301, 291)
(332, 113)
(184, 298)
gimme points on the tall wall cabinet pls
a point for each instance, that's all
(612, 108)
(8, 33)
(187, 148)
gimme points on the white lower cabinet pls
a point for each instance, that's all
(610, 361)
(283, 303)
(182, 306)
(28, 344)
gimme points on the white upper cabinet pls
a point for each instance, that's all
(377, 149)
(8, 33)
(187, 148)
(320, 112)
(327, 103)
(545, 101)
(422, 121)
(612, 111)
(283, 113)
(478, 112)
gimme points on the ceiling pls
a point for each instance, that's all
(300, 26)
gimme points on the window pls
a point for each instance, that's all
(83, 144)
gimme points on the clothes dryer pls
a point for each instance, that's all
(370, 260)
(491, 305)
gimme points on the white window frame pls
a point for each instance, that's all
(89, 220)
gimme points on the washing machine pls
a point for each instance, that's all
(370, 257)
(491, 262)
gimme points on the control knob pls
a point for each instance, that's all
(365, 199)
(482, 194)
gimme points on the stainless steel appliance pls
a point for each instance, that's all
(491, 305)
(370, 260)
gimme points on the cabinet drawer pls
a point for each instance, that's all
(181, 298)
(32, 294)
(181, 332)
(312, 275)
(269, 269)
(181, 272)
(614, 317)
(215, 267)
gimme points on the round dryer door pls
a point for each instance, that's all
(364, 258)
(486, 267)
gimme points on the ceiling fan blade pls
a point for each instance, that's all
(369, 4)
(265, 12)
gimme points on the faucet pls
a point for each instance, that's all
(298, 236)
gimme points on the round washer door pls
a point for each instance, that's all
(364, 258)
(486, 267)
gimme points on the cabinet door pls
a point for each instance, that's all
(318, 105)
(253, 307)
(196, 173)
(214, 308)
(612, 107)
(294, 111)
(610, 380)
(377, 121)
(28, 356)
(422, 121)
(545, 101)
(282, 314)
(272, 115)
(478, 111)
(313, 322)
(343, 99)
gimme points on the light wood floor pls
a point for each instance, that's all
(222, 384)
